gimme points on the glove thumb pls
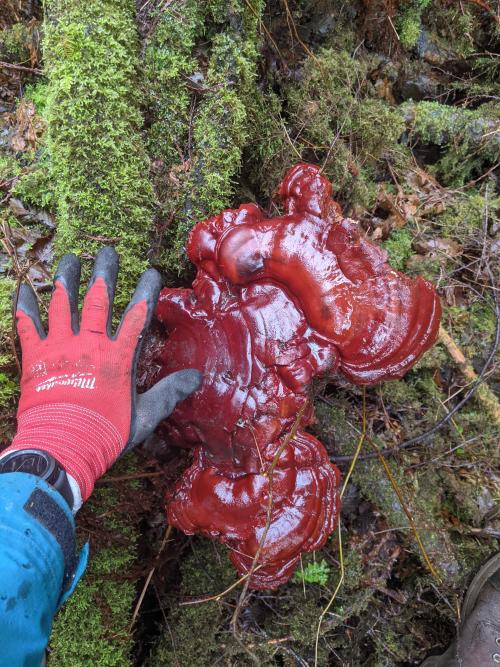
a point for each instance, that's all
(157, 403)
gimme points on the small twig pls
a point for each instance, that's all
(332, 599)
(269, 36)
(291, 23)
(20, 68)
(148, 579)
(414, 530)
(341, 557)
(269, 474)
(484, 393)
(358, 447)
(392, 26)
(219, 596)
(485, 175)
(125, 478)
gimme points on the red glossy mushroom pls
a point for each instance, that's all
(276, 303)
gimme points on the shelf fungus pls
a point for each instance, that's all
(275, 304)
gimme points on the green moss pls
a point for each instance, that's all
(408, 21)
(35, 187)
(266, 152)
(92, 628)
(422, 492)
(168, 63)
(9, 167)
(398, 245)
(194, 637)
(336, 114)
(8, 386)
(464, 28)
(37, 93)
(467, 214)
(205, 183)
(97, 164)
(15, 41)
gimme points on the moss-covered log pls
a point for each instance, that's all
(98, 166)
(469, 139)
(206, 129)
(98, 172)
(219, 130)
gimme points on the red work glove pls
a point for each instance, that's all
(78, 399)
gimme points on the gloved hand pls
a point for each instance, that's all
(78, 400)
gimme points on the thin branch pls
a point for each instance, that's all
(269, 474)
(358, 447)
(219, 596)
(20, 68)
(148, 578)
(484, 393)
(414, 530)
(332, 599)
(125, 478)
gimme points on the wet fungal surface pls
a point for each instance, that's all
(275, 304)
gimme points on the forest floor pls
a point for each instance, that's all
(125, 124)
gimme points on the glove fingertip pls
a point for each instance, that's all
(27, 303)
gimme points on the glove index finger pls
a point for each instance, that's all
(139, 312)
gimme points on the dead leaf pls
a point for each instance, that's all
(438, 247)
(28, 127)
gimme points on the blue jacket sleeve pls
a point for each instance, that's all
(38, 565)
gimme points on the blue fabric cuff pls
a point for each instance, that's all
(38, 565)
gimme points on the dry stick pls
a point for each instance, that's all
(332, 599)
(20, 68)
(291, 22)
(219, 596)
(264, 28)
(269, 474)
(341, 555)
(484, 393)
(125, 478)
(358, 447)
(413, 527)
(148, 579)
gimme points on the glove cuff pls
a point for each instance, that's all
(84, 442)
